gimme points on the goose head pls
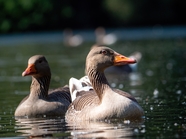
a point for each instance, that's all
(37, 67)
(102, 57)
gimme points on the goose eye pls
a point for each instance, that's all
(103, 52)
(40, 61)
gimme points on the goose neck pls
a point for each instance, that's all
(99, 82)
(39, 87)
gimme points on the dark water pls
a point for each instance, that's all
(159, 85)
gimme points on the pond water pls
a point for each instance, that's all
(159, 84)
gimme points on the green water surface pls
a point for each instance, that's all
(159, 85)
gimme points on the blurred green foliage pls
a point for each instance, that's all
(37, 15)
(18, 15)
(121, 9)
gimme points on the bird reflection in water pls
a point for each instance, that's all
(57, 127)
(114, 128)
(39, 127)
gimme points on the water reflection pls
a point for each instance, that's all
(104, 129)
(40, 127)
(56, 127)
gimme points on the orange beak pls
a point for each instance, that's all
(29, 70)
(122, 60)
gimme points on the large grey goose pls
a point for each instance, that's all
(99, 101)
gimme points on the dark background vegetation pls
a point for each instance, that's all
(47, 15)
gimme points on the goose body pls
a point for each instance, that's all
(102, 101)
(103, 38)
(41, 101)
(72, 40)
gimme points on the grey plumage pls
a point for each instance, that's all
(103, 101)
(41, 101)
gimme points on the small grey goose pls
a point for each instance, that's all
(41, 101)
